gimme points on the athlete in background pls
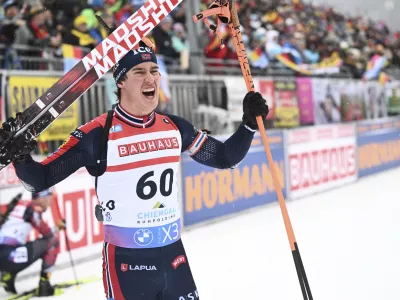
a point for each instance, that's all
(16, 254)
(135, 164)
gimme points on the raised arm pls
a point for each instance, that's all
(228, 154)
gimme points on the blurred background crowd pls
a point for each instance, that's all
(299, 32)
(308, 34)
(40, 25)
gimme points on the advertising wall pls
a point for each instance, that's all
(210, 193)
(378, 145)
(320, 158)
(24, 90)
(8, 178)
(305, 100)
(286, 109)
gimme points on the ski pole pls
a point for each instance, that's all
(234, 27)
(67, 244)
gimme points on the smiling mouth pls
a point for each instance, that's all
(149, 92)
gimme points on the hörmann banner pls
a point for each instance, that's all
(209, 193)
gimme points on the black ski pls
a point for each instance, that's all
(36, 118)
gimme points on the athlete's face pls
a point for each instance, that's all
(140, 90)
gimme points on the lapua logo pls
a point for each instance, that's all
(141, 268)
(178, 261)
(126, 267)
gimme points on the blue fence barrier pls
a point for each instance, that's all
(209, 193)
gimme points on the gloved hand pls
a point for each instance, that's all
(20, 146)
(61, 225)
(254, 105)
(9, 127)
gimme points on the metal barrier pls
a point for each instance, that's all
(200, 100)
(24, 57)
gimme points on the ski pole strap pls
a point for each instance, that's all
(221, 11)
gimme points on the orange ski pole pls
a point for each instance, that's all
(234, 27)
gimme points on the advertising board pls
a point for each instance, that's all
(320, 158)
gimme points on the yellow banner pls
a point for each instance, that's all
(24, 90)
(287, 117)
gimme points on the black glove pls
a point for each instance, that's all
(21, 146)
(254, 105)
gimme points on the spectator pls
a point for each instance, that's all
(34, 32)
(79, 35)
(213, 48)
(162, 35)
(292, 50)
(272, 46)
(179, 14)
(256, 54)
(11, 22)
(181, 45)
(179, 42)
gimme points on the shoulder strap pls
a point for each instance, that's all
(104, 141)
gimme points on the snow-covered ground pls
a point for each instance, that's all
(349, 239)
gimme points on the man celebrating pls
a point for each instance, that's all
(16, 254)
(133, 153)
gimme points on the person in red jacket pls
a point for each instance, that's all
(16, 254)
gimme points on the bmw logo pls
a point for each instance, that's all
(143, 237)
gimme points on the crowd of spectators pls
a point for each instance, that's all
(308, 34)
(305, 33)
(39, 28)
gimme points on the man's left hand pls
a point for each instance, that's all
(254, 105)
